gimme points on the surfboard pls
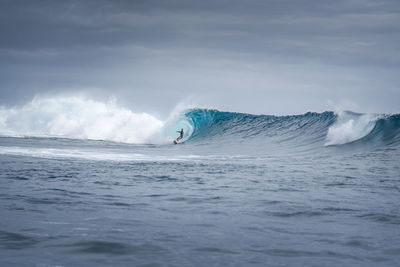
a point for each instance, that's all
(178, 142)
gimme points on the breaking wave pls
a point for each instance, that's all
(81, 118)
(320, 129)
(349, 127)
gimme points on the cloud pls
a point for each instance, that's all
(210, 49)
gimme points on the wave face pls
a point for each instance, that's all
(310, 129)
(81, 118)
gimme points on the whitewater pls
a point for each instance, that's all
(85, 182)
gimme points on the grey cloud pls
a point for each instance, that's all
(251, 49)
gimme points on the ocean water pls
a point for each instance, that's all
(84, 183)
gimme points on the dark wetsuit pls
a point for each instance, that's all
(180, 135)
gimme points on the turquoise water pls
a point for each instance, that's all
(319, 189)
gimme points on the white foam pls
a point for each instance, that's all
(82, 118)
(350, 127)
(104, 155)
(54, 153)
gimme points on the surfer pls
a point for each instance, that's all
(180, 135)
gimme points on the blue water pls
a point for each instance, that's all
(319, 189)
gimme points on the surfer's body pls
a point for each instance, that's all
(177, 140)
(180, 135)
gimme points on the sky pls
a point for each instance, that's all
(261, 57)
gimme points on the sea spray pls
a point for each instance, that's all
(78, 118)
(350, 126)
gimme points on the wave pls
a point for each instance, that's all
(321, 129)
(81, 118)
